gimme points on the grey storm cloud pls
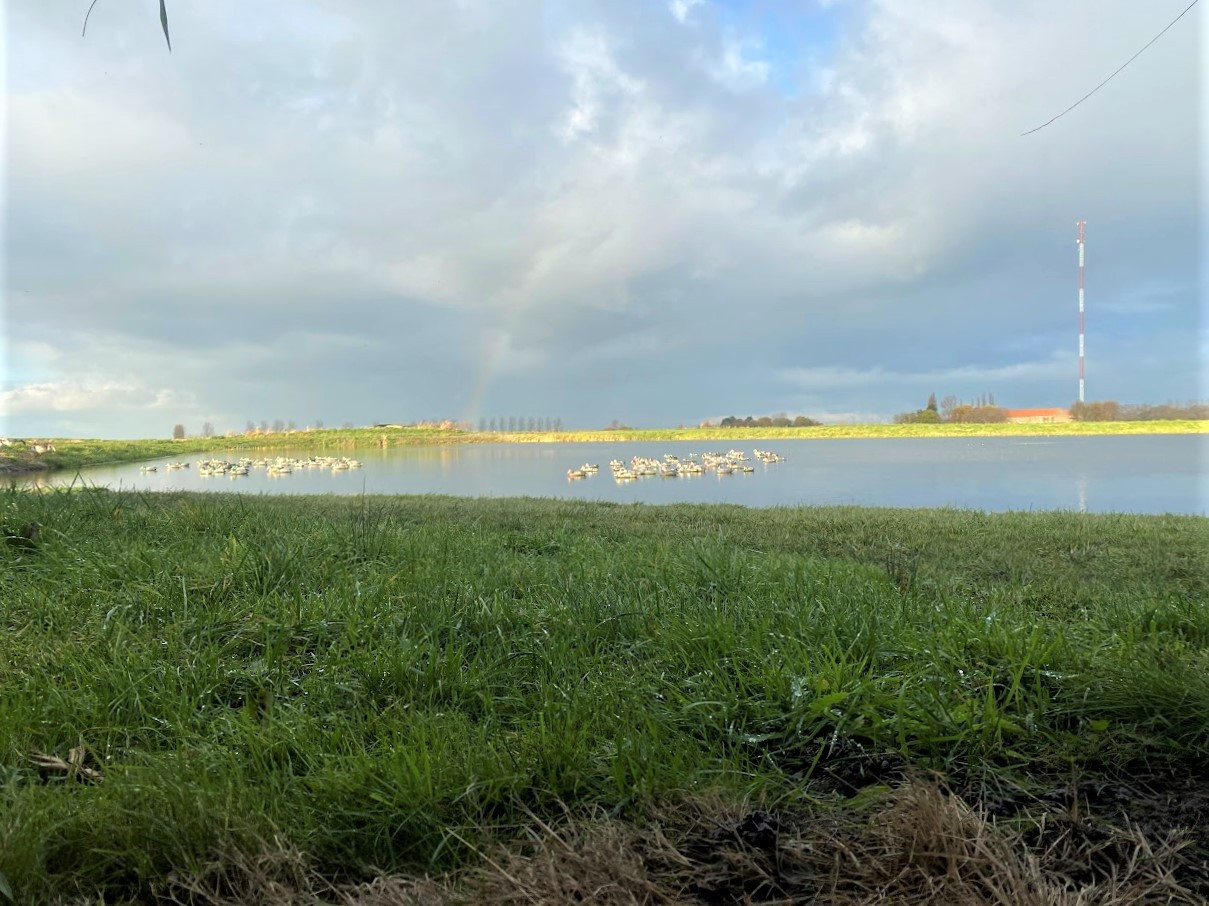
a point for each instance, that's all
(659, 213)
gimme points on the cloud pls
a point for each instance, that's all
(681, 9)
(74, 396)
(838, 378)
(380, 209)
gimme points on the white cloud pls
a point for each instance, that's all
(75, 396)
(828, 378)
(596, 81)
(681, 9)
(739, 70)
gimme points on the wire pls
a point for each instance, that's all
(1111, 77)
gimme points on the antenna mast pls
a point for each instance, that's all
(1081, 224)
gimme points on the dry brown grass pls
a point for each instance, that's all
(923, 846)
(930, 847)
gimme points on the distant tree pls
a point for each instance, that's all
(318, 424)
(802, 421)
(511, 424)
(264, 426)
(918, 417)
(558, 424)
(931, 402)
(947, 405)
(980, 414)
(347, 425)
(482, 426)
(178, 432)
(532, 424)
(491, 426)
(278, 426)
(1101, 411)
(250, 427)
(291, 426)
(207, 429)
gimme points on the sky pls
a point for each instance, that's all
(648, 212)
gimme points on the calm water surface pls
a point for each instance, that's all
(1142, 474)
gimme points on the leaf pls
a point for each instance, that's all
(1098, 726)
(164, 23)
(86, 15)
(6, 889)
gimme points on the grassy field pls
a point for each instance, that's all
(76, 454)
(225, 699)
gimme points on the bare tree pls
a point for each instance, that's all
(318, 424)
(207, 429)
(250, 427)
(278, 426)
(291, 425)
(264, 426)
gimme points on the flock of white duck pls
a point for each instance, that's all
(279, 466)
(730, 463)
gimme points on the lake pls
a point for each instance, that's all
(1133, 474)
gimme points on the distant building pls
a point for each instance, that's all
(1037, 416)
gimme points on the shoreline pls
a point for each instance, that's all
(81, 453)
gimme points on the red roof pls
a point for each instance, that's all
(1029, 413)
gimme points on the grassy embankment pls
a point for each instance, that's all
(76, 454)
(206, 695)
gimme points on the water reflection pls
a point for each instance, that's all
(1142, 474)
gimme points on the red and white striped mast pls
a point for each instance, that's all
(1081, 225)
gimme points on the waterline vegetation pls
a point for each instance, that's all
(206, 693)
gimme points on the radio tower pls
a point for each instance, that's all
(1081, 225)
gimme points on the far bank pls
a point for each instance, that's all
(74, 453)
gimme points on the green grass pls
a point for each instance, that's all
(378, 681)
(71, 453)
(76, 454)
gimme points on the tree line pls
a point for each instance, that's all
(277, 426)
(984, 410)
(1112, 411)
(780, 420)
(954, 411)
(519, 425)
